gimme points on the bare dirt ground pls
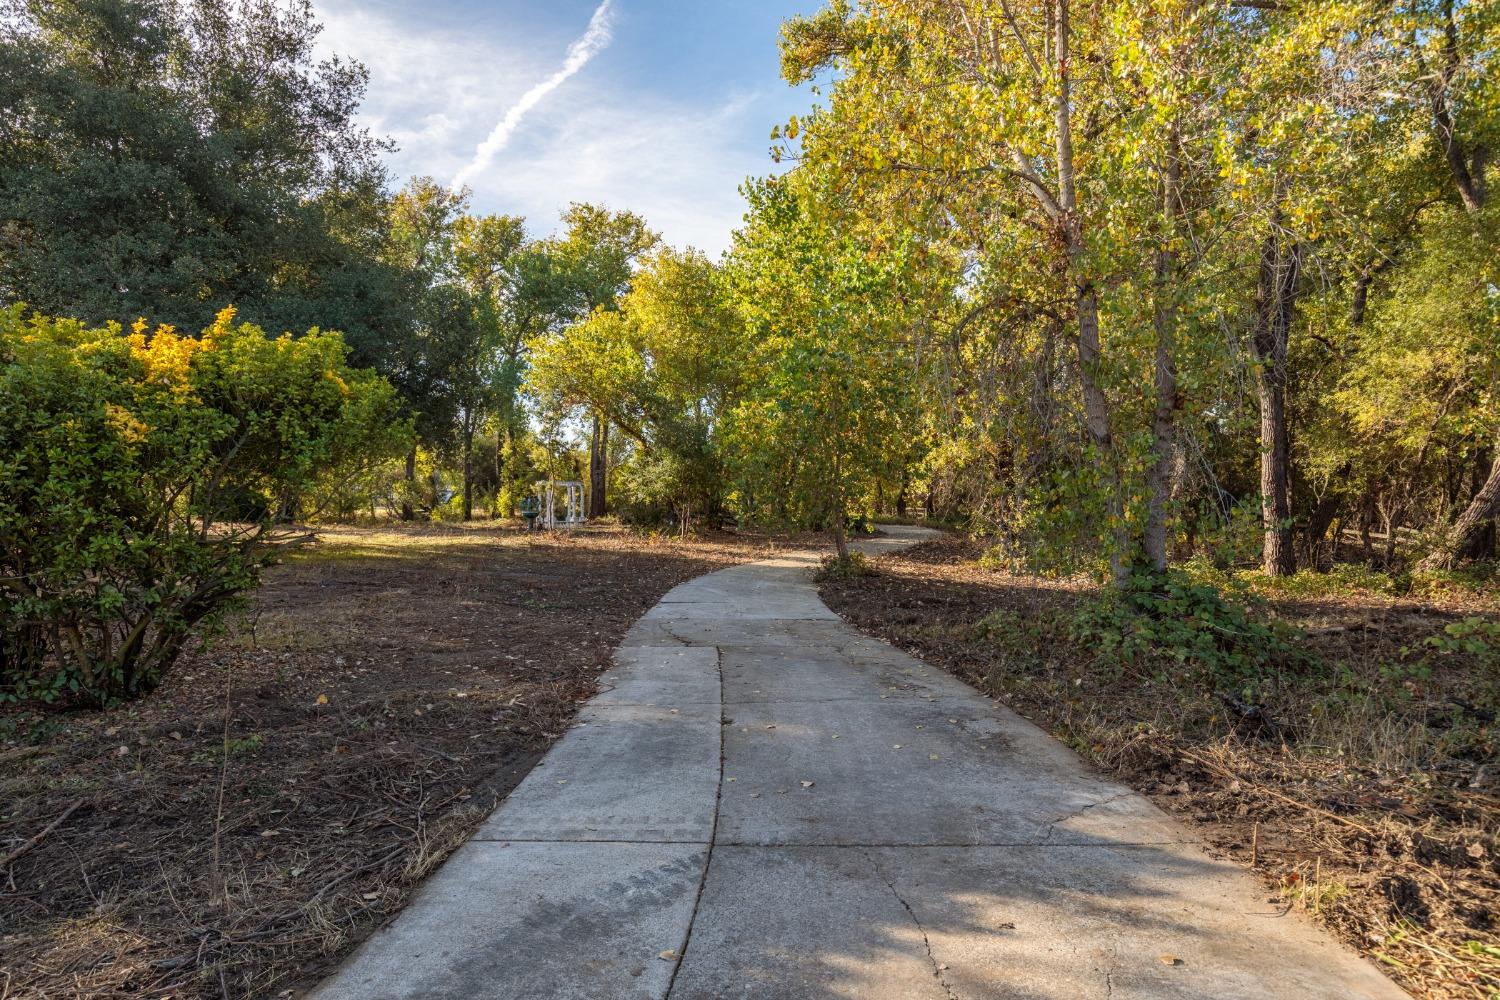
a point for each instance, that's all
(238, 831)
(1369, 795)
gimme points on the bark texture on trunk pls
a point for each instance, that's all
(407, 513)
(840, 514)
(1164, 416)
(468, 473)
(1468, 532)
(598, 468)
(1086, 296)
(1275, 305)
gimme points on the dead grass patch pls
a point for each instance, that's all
(285, 789)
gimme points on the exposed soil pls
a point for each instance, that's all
(1367, 793)
(384, 690)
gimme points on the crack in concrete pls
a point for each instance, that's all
(1109, 964)
(937, 968)
(1054, 824)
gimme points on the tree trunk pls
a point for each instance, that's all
(1318, 524)
(500, 474)
(1164, 416)
(1466, 166)
(468, 471)
(1275, 305)
(598, 468)
(407, 513)
(840, 511)
(840, 537)
(1366, 525)
(1096, 414)
(1086, 296)
(1468, 531)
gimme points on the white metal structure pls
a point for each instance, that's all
(572, 491)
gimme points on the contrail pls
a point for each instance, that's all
(587, 45)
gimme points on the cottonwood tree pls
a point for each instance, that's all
(598, 254)
(661, 367)
(825, 395)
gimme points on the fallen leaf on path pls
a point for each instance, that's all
(1170, 960)
(668, 956)
(807, 784)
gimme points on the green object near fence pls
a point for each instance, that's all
(531, 509)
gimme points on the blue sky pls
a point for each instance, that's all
(660, 106)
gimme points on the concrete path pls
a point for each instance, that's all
(764, 803)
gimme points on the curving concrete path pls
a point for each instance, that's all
(764, 803)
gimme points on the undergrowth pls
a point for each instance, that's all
(848, 567)
(1179, 627)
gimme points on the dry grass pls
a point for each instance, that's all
(382, 692)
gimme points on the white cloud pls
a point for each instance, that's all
(439, 91)
(588, 45)
(678, 166)
(432, 89)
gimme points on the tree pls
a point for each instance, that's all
(166, 159)
(1200, 197)
(824, 395)
(662, 368)
(1453, 47)
(598, 254)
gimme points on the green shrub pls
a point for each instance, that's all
(648, 490)
(140, 480)
(1474, 636)
(846, 568)
(1176, 625)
